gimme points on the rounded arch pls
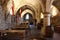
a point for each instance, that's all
(54, 11)
(27, 11)
(25, 7)
(55, 7)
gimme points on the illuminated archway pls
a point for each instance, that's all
(54, 11)
(25, 11)
(24, 8)
(27, 17)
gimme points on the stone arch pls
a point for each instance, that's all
(23, 8)
(27, 11)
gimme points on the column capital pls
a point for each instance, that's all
(46, 18)
(46, 12)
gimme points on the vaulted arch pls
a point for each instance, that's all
(25, 7)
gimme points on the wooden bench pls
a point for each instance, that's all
(13, 34)
(21, 27)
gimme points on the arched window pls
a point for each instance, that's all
(27, 17)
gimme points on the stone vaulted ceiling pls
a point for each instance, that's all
(56, 3)
(2, 2)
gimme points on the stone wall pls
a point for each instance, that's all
(8, 23)
(5, 24)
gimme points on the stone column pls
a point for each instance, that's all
(46, 23)
(46, 30)
(46, 20)
(47, 9)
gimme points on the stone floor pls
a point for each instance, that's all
(56, 36)
(29, 36)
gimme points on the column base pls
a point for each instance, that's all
(48, 32)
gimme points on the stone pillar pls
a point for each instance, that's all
(46, 20)
(46, 9)
(38, 17)
(46, 30)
